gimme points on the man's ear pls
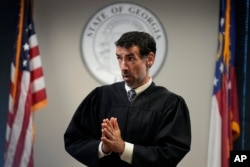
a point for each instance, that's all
(150, 59)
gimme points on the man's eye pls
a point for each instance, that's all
(130, 58)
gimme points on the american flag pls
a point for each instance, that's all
(224, 122)
(27, 93)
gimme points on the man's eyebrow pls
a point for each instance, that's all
(131, 54)
(127, 55)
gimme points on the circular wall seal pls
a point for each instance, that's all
(106, 26)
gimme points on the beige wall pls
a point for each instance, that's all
(191, 27)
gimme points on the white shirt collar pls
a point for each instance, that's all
(141, 88)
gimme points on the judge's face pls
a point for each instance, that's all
(134, 68)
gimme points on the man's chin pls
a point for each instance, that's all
(127, 81)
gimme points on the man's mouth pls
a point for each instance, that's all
(125, 76)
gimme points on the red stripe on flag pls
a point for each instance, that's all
(234, 109)
(34, 51)
(37, 73)
(24, 126)
(38, 96)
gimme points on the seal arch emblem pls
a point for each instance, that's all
(106, 26)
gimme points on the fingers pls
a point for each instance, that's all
(111, 124)
(111, 135)
(106, 135)
(107, 128)
(114, 123)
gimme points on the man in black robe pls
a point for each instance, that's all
(150, 129)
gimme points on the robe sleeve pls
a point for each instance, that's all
(82, 137)
(172, 139)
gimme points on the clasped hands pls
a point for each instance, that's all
(111, 136)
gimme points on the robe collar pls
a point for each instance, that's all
(140, 89)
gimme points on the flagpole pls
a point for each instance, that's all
(226, 54)
(18, 47)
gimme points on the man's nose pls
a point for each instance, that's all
(123, 65)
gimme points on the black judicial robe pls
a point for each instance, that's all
(157, 123)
